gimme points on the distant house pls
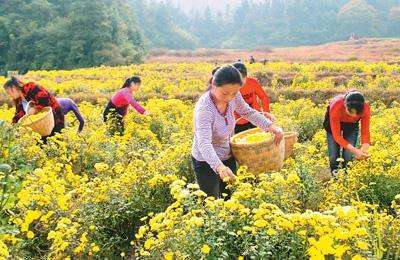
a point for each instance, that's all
(353, 37)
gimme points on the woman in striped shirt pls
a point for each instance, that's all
(214, 123)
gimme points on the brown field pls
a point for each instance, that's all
(366, 49)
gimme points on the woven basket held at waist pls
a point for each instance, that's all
(43, 125)
(259, 157)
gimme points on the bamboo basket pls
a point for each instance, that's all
(43, 126)
(291, 139)
(259, 157)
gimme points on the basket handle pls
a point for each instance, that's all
(240, 118)
(28, 107)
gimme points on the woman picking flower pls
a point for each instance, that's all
(68, 105)
(117, 107)
(342, 127)
(214, 123)
(34, 94)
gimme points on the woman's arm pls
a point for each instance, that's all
(203, 131)
(265, 102)
(135, 105)
(263, 96)
(78, 116)
(365, 129)
(250, 114)
(257, 119)
(365, 125)
(19, 113)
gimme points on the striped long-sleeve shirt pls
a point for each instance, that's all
(212, 132)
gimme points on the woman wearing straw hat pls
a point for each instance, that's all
(24, 94)
(342, 126)
(214, 124)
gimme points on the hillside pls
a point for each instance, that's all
(368, 49)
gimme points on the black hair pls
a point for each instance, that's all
(215, 70)
(241, 67)
(355, 101)
(13, 83)
(212, 76)
(227, 75)
(129, 81)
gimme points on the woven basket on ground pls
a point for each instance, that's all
(43, 125)
(290, 140)
(258, 157)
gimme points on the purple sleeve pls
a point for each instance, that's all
(250, 114)
(135, 104)
(203, 130)
(78, 115)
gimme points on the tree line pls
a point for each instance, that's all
(268, 22)
(55, 34)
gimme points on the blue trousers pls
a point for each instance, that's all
(336, 152)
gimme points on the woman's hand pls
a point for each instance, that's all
(278, 132)
(270, 116)
(146, 113)
(32, 111)
(365, 148)
(225, 173)
(360, 155)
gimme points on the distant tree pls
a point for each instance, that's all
(4, 42)
(358, 17)
(163, 25)
(43, 34)
(50, 34)
(394, 18)
(311, 22)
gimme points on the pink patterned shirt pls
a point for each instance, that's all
(123, 98)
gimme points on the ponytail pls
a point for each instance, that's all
(210, 82)
(129, 81)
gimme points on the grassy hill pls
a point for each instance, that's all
(368, 49)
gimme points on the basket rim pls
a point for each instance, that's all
(49, 110)
(244, 145)
(290, 134)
